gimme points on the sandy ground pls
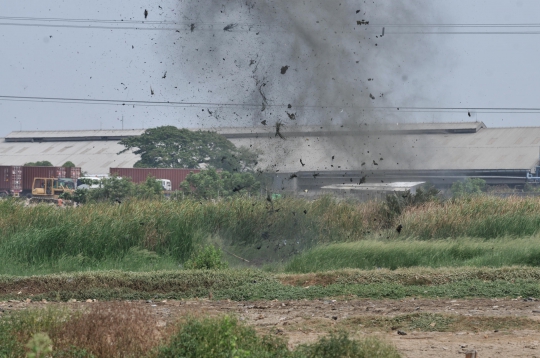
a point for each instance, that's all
(305, 321)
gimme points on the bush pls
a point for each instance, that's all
(470, 186)
(208, 258)
(397, 203)
(42, 163)
(216, 338)
(68, 164)
(340, 346)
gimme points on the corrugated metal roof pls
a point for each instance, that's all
(396, 186)
(488, 148)
(94, 157)
(81, 135)
(411, 147)
(347, 129)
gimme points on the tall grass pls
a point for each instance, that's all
(373, 254)
(144, 235)
(161, 235)
(479, 216)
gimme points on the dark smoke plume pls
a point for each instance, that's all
(322, 60)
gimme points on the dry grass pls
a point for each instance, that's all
(113, 329)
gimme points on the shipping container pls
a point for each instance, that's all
(139, 175)
(29, 173)
(10, 180)
(73, 172)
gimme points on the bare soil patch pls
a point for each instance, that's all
(443, 328)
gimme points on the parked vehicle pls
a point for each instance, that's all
(50, 189)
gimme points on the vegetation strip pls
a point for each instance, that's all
(255, 284)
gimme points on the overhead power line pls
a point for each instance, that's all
(166, 25)
(117, 102)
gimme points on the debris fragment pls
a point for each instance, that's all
(401, 333)
(145, 13)
(292, 116)
(229, 27)
(151, 91)
(284, 69)
(398, 229)
(302, 162)
(362, 180)
(164, 75)
(278, 129)
(469, 113)
(371, 96)
(374, 162)
(362, 22)
(263, 122)
(294, 175)
(192, 27)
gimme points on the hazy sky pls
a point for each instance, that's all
(216, 66)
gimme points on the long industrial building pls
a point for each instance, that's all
(303, 158)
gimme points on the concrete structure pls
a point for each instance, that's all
(371, 191)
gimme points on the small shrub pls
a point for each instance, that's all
(39, 346)
(68, 164)
(340, 346)
(208, 258)
(216, 338)
(468, 187)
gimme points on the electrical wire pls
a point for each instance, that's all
(205, 26)
(258, 105)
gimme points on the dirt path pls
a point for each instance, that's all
(517, 322)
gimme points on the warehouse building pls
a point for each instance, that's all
(311, 157)
(94, 151)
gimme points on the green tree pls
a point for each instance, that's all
(151, 188)
(43, 163)
(171, 147)
(112, 188)
(68, 164)
(209, 184)
(470, 186)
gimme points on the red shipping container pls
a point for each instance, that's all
(29, 173)
(11, 179)
(139, 175)
(73, 172)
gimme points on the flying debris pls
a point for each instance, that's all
(284, 69)
(302, 163)
(263, 122)
(362, 22)
(469, 113)
(151, 91)
(292, 116)
(229, 27)
(145, 13)
(374, 162)
(362, 180)
(192, 27)
(371, 96)
(164, 75)
(294, 175)
(278, 130)
(398, 229)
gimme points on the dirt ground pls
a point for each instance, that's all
(305, 321)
